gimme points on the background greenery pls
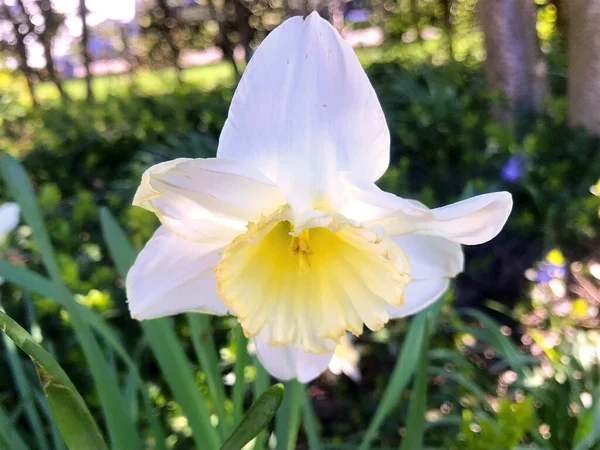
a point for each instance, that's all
(513, 350)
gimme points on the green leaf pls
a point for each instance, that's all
(501, 343)
(462, 380)
(206, 353)
(261, 383)
(74, 420)
(178, 373)
(57, 440)
(415, 424)
(287, 422)
(450, 420)
(241, 356)
(42, 286)
(20, 189)
(122, 431)
(311, 423)
(34, 282)
(165, 345)
(593, 437)
(26, 392)
(10, 438)
(257, 418)
(401, 375)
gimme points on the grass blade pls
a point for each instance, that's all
(20, 188)
(450, 421)
(261, 383)
(130, 390)
(401, 375)
(206, 353)
(415, 424)
(311, 423)
(57, 440)
(239, 388)
(501, 343)
(68, 408)
(10, 438)
(179, 375)
(165, 345)
(287, 423)
(461, 380)
(257, 418)
(3, 442)
(593, 437)
(35, 282)
(26, 392)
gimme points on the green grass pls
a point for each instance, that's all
(148, 82)
(157, 82)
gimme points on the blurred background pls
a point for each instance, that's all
(479, 96)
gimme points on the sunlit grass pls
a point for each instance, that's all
(146, 82)
(157, 82)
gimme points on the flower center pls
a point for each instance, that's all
(308, 287)
(300, 247)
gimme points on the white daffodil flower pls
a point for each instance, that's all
(9, 217)
(285, 228)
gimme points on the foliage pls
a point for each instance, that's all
(493, 379)
(506, 431)
(68, 408)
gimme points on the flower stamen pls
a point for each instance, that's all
(300, 247)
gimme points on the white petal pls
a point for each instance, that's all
(172, 275)
(366, 202)
(418, 295)
(433, 261)
(9, 217)
(472, 221)
(431, 256)
(287, 362)
(207, 199)
(305, 111)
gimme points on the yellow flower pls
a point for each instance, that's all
(555, 257)
(285, 228)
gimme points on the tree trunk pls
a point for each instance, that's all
(222, 39)
(169, 22)
(46, 36)
(584, 64)
(30, 84)
(21, 49)
(54, 76)
(242, 17)
(333, 11)
(87, 60)
(296, 7)
(447, 6)
(128, 55)
(514, 64)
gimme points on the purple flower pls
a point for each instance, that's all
(512, 170)
(548, 271)
(357, 15)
